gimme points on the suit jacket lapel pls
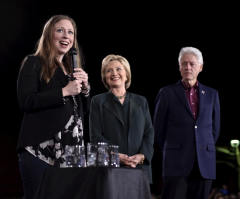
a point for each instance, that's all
(202, 98)
(109, 105)
(133, 107)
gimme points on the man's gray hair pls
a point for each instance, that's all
(191, 50)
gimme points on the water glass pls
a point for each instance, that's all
(80, 157)
(103, 154)
(92, 155)
(69, 155)
(114, 156)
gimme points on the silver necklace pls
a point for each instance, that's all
(122, 96)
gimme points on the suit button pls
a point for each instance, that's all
(195, 126)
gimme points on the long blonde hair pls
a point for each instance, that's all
(45, 48)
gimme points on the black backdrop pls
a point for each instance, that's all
(148, 34)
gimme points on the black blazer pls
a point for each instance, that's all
(105, 125)
(45, 113)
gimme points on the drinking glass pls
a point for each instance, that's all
(92, 154)
(69, 155)
(79, 156)
(103, 154)
(114, 156)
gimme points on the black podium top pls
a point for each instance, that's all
(94, 183)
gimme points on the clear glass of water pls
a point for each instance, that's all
(103, 154)
(92, 154)
(79, 156)
(69, 155)
(114, 156)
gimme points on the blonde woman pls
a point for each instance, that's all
(122, 118)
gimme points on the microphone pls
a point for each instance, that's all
(73, 53)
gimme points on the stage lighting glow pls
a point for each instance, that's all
(234, 143)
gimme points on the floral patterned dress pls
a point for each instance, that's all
(52, 151)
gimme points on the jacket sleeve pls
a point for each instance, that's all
(216, 118)
(30, 95)
(148, 137)
(160, 119)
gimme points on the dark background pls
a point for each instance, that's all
(150, 35)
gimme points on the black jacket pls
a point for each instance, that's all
(45, 113)
(105, 125)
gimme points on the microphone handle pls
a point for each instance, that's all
(73, 53)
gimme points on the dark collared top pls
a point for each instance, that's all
(192, 97)
(123, 110)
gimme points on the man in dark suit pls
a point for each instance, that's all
(187, 125)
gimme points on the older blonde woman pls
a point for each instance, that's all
(122, 118)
